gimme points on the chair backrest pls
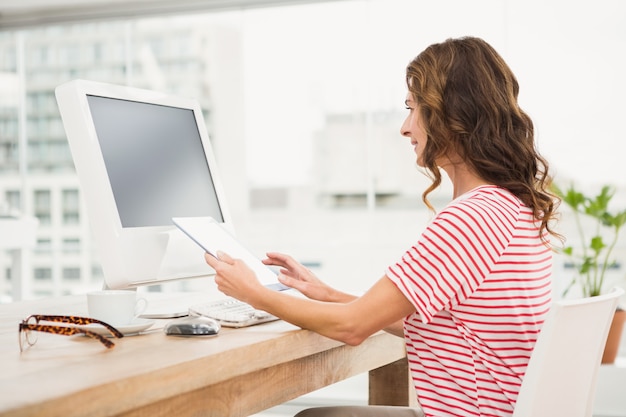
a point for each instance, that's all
(561, 375)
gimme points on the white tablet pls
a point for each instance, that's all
(212, 237)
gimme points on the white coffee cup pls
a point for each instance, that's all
(115, 307)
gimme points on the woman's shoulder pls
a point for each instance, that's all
(488, 196)
(485, 202)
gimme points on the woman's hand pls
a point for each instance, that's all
(233, 277)
(295, 275)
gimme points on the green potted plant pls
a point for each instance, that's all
(593, 256)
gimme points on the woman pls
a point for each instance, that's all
(470, 296)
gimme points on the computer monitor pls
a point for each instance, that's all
(142, 157)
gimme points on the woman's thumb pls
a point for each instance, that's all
(224, 257)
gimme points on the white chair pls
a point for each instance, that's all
(563, 368)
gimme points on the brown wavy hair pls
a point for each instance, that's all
(467, 96)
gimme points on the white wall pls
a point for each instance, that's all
(568, 56)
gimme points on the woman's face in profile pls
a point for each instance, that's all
(413, 128)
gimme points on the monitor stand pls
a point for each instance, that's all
(166, 305)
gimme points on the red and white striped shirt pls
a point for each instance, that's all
(480, 280)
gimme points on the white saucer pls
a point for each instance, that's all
(135, 327)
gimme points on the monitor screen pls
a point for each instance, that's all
(154, 160)
(142, 158)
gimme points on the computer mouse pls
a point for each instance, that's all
(192, 326)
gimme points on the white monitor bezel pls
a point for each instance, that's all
(113, 241)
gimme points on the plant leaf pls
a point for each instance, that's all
(597, 244)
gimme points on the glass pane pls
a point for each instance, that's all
(71, 245)
(9, 104)
(13, 203)
(42, 206)
(44, 246)
(71, 207)
(43, 274)
(71, 274)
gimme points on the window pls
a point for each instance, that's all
(71, 207)
(13, 200)
(304, 121)
(43, 274)
(71, 274)
(96, 273)
(44, 246)
(71, 245)
(42, 206)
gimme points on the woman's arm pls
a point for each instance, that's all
(295, 275)
(350, 322)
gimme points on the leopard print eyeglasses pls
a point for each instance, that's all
(29, 327)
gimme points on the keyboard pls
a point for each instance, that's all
(230, 312)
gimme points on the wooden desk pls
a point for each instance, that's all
(237, 373)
